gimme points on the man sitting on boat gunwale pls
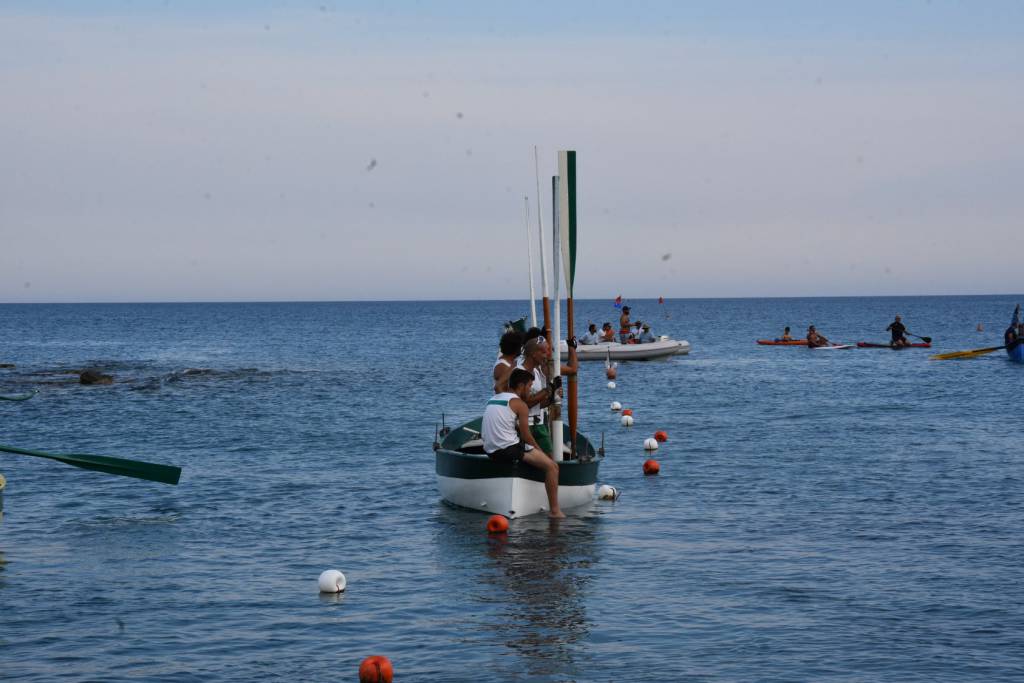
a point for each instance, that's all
(645, 336)
(607, 333)
(591, 337)
(507, 437)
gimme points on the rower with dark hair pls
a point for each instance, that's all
(511, 346)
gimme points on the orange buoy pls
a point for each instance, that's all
(660, 436)
(376, 669)
(497, 524)
(610, 373)
(651, 466)
(627, 411)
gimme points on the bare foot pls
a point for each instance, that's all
(556, 514)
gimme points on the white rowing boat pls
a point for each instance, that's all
(663, 348)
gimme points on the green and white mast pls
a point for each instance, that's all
(566, 201)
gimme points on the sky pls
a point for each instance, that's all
(274, 151)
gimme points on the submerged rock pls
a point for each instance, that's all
(94, 377)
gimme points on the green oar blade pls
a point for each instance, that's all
(165, 474)
(966, 354)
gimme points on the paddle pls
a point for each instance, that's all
(965, 354)
(926, 340)
(20, 397)
(165, 474)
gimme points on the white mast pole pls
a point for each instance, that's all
(540, 232)
(556, 328)
(529, 257)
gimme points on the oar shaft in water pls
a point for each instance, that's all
(165, 474)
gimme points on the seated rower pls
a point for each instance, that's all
(507, 437)
(814, 339)
(607, 333)
(1012, 338)
(786, 336)
(645, 335)
(591, 337)
(511, 345)
(898, 331)
(536, 355)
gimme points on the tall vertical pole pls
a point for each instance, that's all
(566, 200)
(543, 266)
(529, 258)
(555, 411)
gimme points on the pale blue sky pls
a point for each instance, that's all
(170, 151)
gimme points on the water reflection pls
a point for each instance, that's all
(534, 581)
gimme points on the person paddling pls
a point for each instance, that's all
(814, 339)
(899, 332)
(786, 336)
(505, 431)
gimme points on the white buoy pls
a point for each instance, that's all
(611, 385)
(332, 581)
(626, 420)
(616, 406)
(607, 492)
(650, 444)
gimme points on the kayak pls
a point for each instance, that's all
(872, 345)
(832, 347)
(782, 342)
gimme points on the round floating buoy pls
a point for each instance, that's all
(651, 467)
(650, 444)
(607, 492)
(332, 581)
(497, 524)
(611, 385)
(610, 373)
(661, 436)
(627, 411)
(626, 420)
(376, 669)
(616, 406)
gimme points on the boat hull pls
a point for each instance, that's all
(1016, 354)
(663, 348)
(468, 478)
(872, 345)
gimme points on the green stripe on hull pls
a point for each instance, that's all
(466, 466)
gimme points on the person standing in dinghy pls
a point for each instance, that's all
(899, 333)
(507, 437)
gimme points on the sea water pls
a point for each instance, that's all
(828, 516)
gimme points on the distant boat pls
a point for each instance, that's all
(663, 348)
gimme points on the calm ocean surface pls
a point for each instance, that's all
(820, 516)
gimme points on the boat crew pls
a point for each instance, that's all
(624, 326)
(536, 355)
(591, 337)
(607, 333)
(637, 331)
(786, 336)
(507, 437)
(645, 336)
(814, 339)
(511, 345)
(898, 331)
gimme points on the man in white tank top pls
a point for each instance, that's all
(505, 431)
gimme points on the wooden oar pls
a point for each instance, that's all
(926, 340)
(965, 354)
(165, 474)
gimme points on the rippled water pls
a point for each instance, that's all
(846, 516)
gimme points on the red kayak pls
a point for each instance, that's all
(872, 345)
(781, 342)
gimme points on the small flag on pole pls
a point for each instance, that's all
(661, 299)
(618, 301)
